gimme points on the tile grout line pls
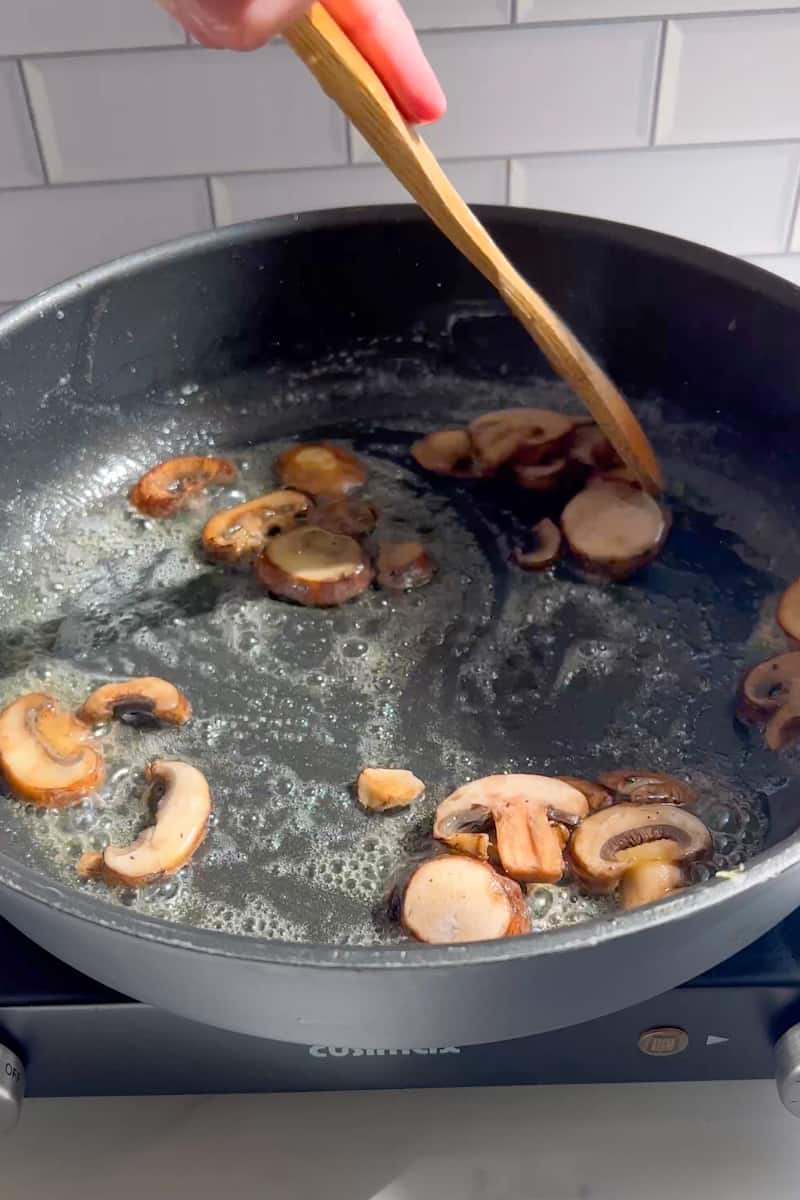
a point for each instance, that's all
(509, 169)
(660, 56)
(212, 207)
(34, 124)
(793, 218)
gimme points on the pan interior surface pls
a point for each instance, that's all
(488, 669)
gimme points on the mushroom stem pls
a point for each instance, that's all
(457, 899)
(647, 882)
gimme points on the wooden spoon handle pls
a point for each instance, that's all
(348, 78)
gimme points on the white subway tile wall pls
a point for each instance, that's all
(678, 115)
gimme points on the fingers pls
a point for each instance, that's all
(234, 24)
(384, 35)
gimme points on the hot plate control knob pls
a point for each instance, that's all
(787, 1069)
(12, 1089)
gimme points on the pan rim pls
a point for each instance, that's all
(69, 901)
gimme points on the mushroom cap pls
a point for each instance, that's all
(614, 529)
(180, 825)
(590, 447)
(321, 469)
(404, 565)
(646, 787)
(524, 435)
(47, 755)
(524, 809)
(540, 477)
(608, 843)
(147, 695)
(768, 686)
(349, 515)
(447, 452)
(314, 566)
(789, 612)
(597, 796)
(239, 532)
(452, 898)
(172, 484)
(546, 547)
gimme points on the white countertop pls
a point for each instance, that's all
(726, 1141)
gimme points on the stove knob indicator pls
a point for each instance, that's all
(12, 1089)
(787, 1069)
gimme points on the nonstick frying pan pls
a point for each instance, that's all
(364, 326)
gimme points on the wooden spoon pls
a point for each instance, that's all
(346, 76)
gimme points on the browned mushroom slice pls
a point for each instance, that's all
(457, 899)
(597, 796)
(321, 469)
(783, 727)
(609, 844)
(646, 787)
(315, 567)
(348, 515)
(789, 612)
(540, 477)
(173, 484)
(768, 686)
(613, 529)
(404, 565)
(382, 788)
(144, 702)
(590, 447)
(650, 881)
(181, 822)
(617, 475)
(546, 548)
(447, 452)
(47, 755)
(524, 810)
(526, 435)
(241, 532)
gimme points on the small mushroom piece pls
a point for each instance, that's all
(348, 515)
(597, 796)
(241, 532)
(446, 452)
(474, 844)
(546, 548)
(144, 702)
(524, 810)
(768, 686)
(456, 899)
(540, 477)
(315, 567)
(173, 484)
(524, 435)
(382, 788)
(614, 529)
(181, 822)
(783, 727)
(646, 787)
(47, 755)
(404, 565)
(610, 843)
(650, 881)
(789, 612)
(590, 447)
(321, 469)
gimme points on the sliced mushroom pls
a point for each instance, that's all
(313, 566)
(768, 686)
(546, 548)
(597, 796)
(144, 702)
(475, 844)
(646, 787)
(447, 452)
(617, 475)
(614, 529)
(173, 484)
(457, 899)
(348, 515)
(404, 565)
(590, 447)
(789, 612)
(524, 435)
(609, 844)
(783, 727)
(321, 469)
(541, 477)
(181, 822)
(241, 532)
(382, 788)
(524, 810)
(47, 755)
(650, 881)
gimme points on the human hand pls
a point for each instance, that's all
(380, 29)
